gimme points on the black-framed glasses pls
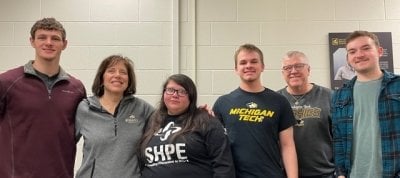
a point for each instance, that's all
(297, 67)
(171, 91)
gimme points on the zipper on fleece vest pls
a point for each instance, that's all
(115, 120)
(114, 116)
(115, 126)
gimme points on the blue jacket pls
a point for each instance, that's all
(389, 119)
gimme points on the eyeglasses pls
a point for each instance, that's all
(297, 67)
(171, 91)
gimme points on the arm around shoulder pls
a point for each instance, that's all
(81, 113)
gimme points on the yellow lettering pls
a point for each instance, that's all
(244, 117)
(256, 118)
(270, 113)
(251, 115)
(250, 118)
(234, 111)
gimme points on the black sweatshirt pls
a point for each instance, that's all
(202, 153)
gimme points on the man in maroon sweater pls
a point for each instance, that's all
(37, 109)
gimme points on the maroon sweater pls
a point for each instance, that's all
(37, 124)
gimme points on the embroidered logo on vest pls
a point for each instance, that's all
(131, 119)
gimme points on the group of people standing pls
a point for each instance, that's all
(302, 130)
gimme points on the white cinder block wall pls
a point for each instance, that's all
(200, 41)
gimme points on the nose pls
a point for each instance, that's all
(359, 53)
(48, 41)
(292, 70)
(118, 74)
(248, 65)
(175, 94)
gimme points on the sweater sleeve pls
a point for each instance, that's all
(2, 98)
(219, 150)
(79, 118)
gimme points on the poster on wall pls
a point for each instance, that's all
(340, 70)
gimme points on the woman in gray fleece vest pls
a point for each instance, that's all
(111, 122)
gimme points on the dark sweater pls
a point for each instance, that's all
(37, 124)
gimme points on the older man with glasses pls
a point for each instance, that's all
(310, 105)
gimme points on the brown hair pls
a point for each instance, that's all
(357, 34)
(98, 87)
(48, 24)
(251, 48)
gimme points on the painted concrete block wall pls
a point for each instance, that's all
(140, 30)
(278, 26)
(210, 31)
